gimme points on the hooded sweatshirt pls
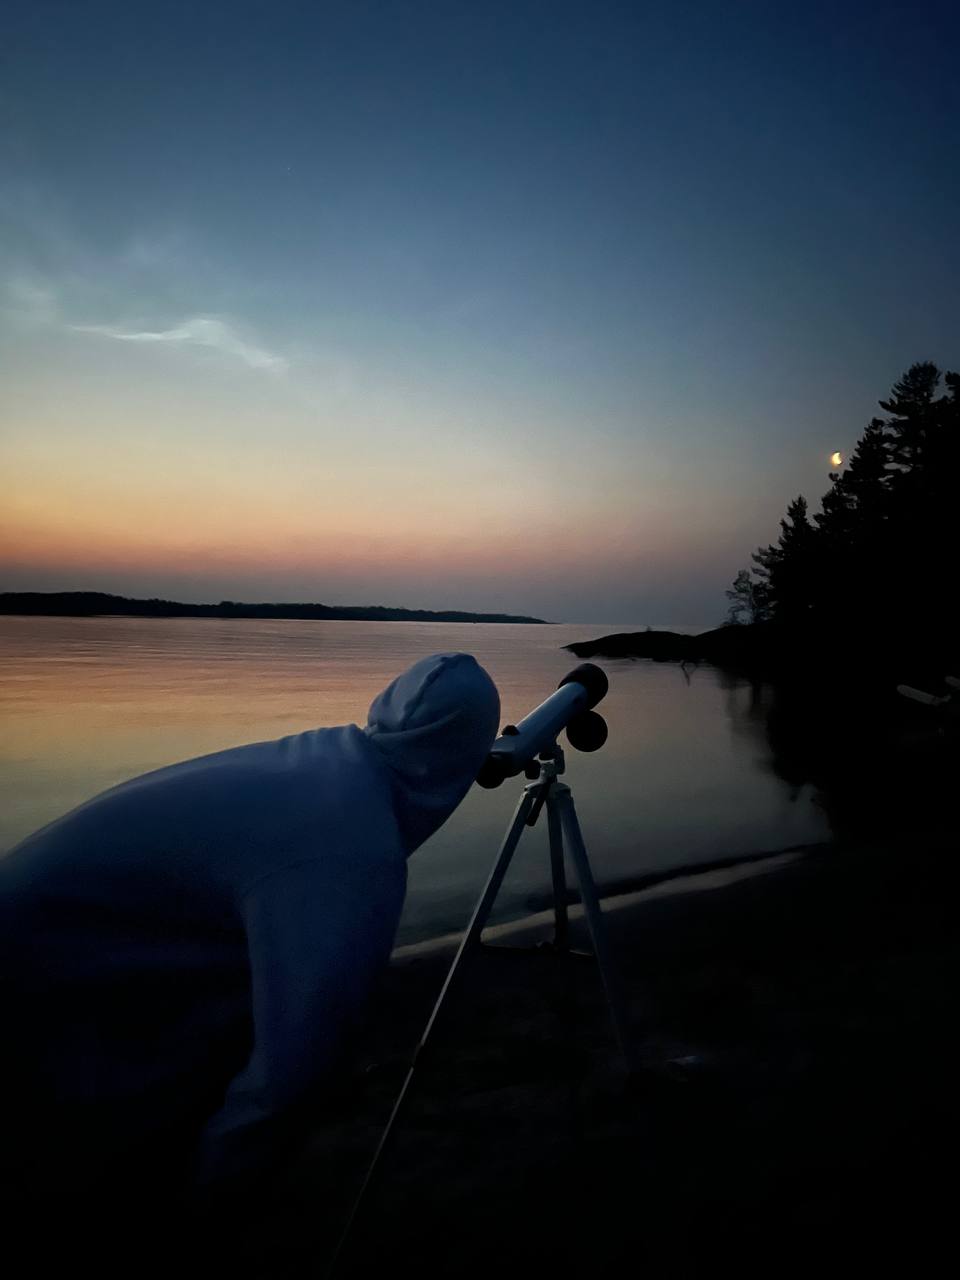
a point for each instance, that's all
(187, 952)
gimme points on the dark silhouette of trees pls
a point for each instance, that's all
(883, 552)
(786, 570)
(851, 528)
(747, 599)
(911, 430)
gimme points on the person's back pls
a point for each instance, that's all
(187, 953)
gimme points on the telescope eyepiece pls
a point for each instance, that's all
(493, 771)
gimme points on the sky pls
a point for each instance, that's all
(532, 307)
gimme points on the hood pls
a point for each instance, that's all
(434, 726)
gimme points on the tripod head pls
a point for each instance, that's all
(534, 738)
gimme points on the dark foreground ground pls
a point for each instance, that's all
(814, 1129)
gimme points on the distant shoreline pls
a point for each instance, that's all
(98, 604)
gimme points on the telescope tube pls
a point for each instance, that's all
(577, 693)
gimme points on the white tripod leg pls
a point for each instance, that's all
(560, 919)
(470, 939)
(561, 799)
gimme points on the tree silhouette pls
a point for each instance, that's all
(785, 570)
(884, 549)
(850, 528)
(912, 426)
(747, 599)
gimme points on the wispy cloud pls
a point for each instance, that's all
(198, 331)
(158, 286)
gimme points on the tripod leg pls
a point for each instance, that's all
(477, 922)
(609, 972)
(560, 920)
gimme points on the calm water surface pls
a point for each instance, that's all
(86, 703)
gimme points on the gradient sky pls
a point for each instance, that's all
(538, 307)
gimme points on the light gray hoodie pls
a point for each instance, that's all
(192, 947)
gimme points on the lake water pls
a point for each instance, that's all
(86, 703)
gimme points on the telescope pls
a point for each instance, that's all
(531, 747)
(533, 738)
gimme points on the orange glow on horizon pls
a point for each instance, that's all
(145, 547)
(351, 530)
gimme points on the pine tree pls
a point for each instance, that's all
(913, 416)
(747, 599)
(850, 527)
(920, 550)
(857, 498)
(787, 569)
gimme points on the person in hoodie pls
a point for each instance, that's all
(188, 953)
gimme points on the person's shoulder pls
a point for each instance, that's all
(333, 813)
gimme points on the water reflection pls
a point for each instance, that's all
(686, 775)
(875, 763)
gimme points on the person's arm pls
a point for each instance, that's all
(318, 935)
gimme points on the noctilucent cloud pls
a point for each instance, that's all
(539, 307)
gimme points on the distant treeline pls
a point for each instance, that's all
(91, 604)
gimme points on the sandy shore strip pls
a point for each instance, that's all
(696, 879)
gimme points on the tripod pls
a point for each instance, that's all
(563, 828)
(545, 791)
